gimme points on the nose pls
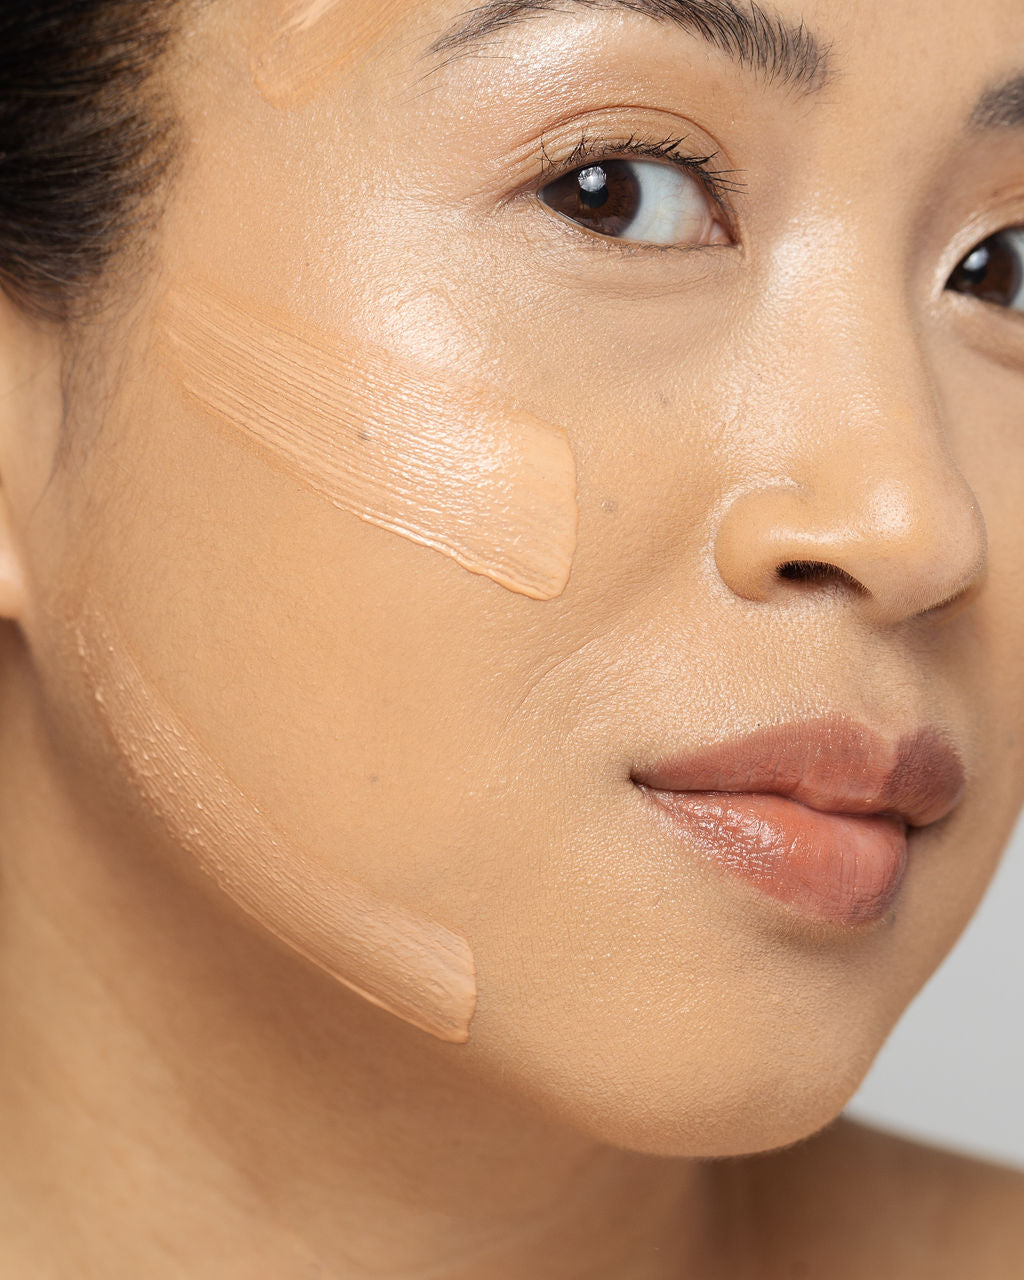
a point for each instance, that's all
(904, 545)
(872, 505)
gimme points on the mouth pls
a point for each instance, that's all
(816, 815)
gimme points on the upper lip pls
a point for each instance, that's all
(834, 765)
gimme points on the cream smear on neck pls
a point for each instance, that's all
(407, 964)
(452, 467)
(299, 45)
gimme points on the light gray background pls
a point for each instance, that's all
(952, 1072)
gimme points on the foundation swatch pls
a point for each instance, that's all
(411, 966)
(450, 466)
(299, 45)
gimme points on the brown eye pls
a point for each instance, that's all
(602, 197)
(638, 200)
(994, 271)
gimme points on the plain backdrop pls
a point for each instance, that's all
(952, 1072)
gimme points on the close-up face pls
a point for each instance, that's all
(535, 536)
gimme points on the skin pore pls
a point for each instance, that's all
(213, 660)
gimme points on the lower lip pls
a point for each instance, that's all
(829, 866)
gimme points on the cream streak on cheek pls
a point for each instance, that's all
(451, 467)
(413, 967)
(299, 45)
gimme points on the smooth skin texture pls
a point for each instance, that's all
(181, 1092)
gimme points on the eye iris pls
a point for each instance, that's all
(602, 197)
(992, 272)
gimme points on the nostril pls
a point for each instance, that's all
(819, 572)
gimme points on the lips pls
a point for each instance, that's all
(815, 814)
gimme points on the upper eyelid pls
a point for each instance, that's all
(612, 127)
(635, 147)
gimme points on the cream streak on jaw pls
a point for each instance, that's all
(411, 966)
(299, 45)
(451, 467)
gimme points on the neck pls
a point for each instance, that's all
(192, 1097)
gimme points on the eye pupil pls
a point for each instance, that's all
(993, 272)
(975, 265)
(593, 184)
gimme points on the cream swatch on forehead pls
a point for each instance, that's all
(450, 466)
(297, 46)
(407, 964)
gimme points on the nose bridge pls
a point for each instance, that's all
(866, 491)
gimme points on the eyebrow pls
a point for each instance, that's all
(1001, 107)
(784, 53)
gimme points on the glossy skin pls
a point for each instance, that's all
(183, 1094)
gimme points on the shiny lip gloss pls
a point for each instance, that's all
(814, 814)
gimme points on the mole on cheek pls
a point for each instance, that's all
(299, 45)
(407, 964)
(451, 467)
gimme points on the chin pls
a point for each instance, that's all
(739, 1117)
(716, 1091)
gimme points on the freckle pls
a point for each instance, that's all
(663, 399)
(372, 777)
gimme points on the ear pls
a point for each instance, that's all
(31, 413)
(12, 581)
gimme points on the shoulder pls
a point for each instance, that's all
(864, 1202)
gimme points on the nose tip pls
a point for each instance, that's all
(899, 549)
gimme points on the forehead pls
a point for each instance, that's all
(307, 39)
(902, 53)
(963, 59)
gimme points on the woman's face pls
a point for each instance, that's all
(433, 491)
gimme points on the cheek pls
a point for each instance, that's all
(411, 966)
(453, 469)
(246, 681)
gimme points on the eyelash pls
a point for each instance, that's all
(719, 184)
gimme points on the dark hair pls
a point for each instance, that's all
(83, 142)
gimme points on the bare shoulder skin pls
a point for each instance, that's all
(854, 1201)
